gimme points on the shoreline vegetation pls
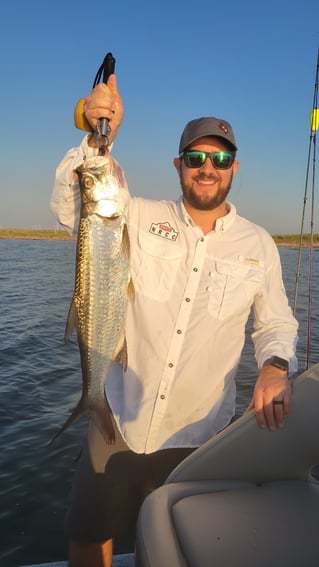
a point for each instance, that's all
(34, 234)
(288, 240)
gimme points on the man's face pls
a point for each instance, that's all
(205, 188)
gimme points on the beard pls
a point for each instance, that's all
(204, 201)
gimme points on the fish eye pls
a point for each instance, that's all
(88, 181)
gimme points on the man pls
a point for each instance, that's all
(198, 270)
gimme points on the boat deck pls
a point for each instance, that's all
(124, 560)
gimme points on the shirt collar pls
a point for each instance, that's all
(222, 224)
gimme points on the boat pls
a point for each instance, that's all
(246, 497)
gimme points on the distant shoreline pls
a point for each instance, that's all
(282, 240)
(27, 234)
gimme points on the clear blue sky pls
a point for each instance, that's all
(249, 62)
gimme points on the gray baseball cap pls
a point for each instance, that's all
(207, 126)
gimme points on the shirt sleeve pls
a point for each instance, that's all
(275, 327)
(65, 198)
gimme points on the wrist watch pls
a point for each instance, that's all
(278, 363)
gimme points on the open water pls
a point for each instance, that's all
(40, 384)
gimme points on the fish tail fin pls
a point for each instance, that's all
(79, 410)
(101, 416)
(71, 322)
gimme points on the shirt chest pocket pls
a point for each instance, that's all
(232, 287)
(154, 273)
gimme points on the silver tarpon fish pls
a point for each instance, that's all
(102, 287)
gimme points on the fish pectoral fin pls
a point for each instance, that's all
(122, 356)
(125, 243)
(131, 290)
(71, 322)
(101, 415)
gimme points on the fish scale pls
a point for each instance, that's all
(102, 288)
(102, 281)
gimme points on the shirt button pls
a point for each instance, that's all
(195, 269)
(202, 239)
(179, 332)
(171, 365)
(187, 299)
(162, 397)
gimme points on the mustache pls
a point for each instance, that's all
(204, 177)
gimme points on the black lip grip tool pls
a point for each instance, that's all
(103, 128)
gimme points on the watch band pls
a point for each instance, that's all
(277, 362)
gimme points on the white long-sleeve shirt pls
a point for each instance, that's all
(185, 329)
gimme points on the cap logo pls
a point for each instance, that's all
(223, 127)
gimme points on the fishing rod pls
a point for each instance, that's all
(103, 127)
(314, 125)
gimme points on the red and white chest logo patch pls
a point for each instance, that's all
(164, 229)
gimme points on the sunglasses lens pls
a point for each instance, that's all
(222, 160)
(194, 159)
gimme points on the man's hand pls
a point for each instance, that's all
(272, 397)
(104, 102)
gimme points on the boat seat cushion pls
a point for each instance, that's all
(225, 524)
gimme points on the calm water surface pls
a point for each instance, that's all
(40, 384)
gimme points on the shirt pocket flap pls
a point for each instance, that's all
(240, 270)
(159, 247)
